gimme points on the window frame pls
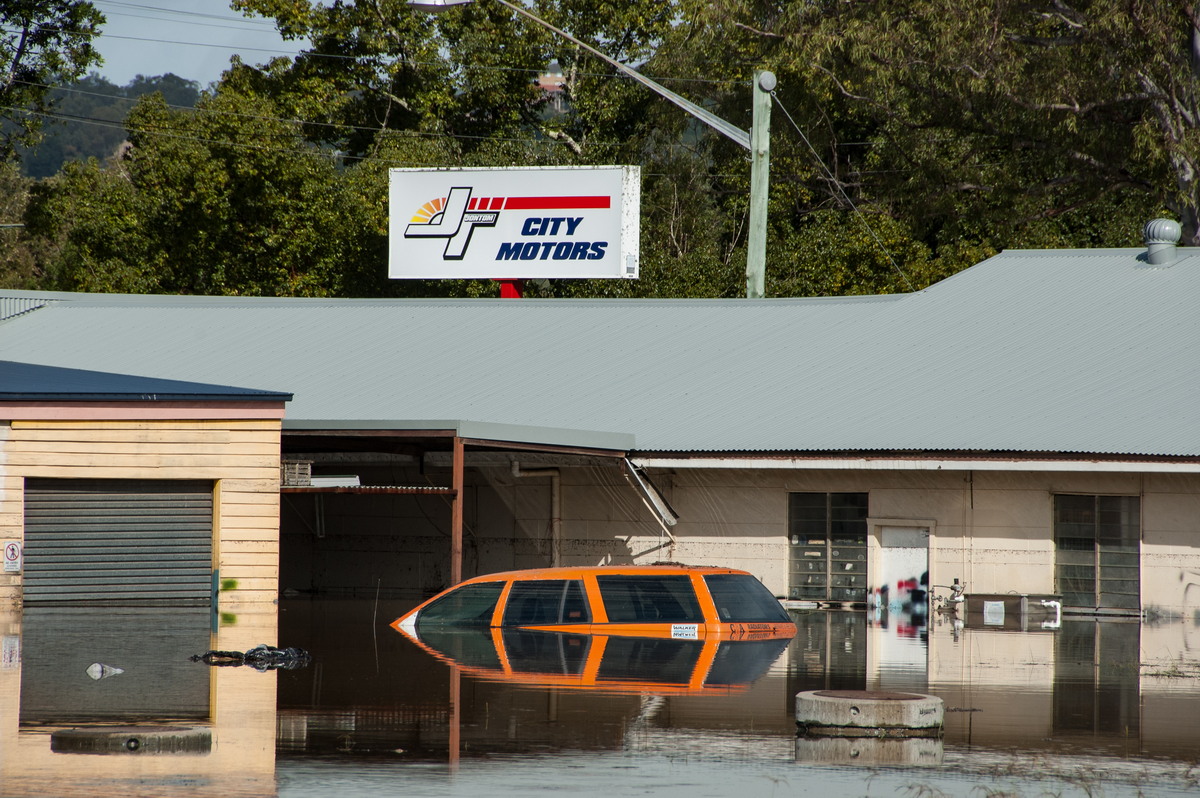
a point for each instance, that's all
(1110, 557)
(810, 546)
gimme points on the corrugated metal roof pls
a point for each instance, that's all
(27, 382)
(1089, 351)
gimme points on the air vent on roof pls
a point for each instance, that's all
(1161, 237)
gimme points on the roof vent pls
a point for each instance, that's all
(1161, 237)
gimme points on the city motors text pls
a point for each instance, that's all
(551, 250)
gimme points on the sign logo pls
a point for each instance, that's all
(514, 223)
(455, 217)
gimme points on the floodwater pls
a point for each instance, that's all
(1034, 707)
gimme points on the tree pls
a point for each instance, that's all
(910, 140)
(226, 199)
(998, 121)
(42, 43)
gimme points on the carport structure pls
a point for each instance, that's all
(450, 449)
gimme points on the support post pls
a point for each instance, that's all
(456, 514)
(760, 167)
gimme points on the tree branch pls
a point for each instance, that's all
(758, 32)
(839, 85)
(17, 56)
(560, 136)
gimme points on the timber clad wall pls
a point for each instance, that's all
(239, 457)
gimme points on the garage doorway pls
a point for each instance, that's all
(119, 541)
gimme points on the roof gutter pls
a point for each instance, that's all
(913, 464)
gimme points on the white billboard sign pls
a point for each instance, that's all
(507, 224)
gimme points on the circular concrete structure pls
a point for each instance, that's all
(132, 740)
(868, 713)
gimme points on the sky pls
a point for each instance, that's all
(192, 38)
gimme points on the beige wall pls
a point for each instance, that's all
(990, 529)
(240, 457)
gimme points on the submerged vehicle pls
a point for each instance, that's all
(670, 601)
(655, 628)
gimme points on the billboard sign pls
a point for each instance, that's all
(578, 221)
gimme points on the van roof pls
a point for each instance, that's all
(578, 571)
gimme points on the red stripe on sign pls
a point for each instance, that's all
(556, 203)
(472, 204)
(497, 204)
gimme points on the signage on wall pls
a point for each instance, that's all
(514, 223)
(12, 556)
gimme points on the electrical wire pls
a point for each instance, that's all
(845, 197)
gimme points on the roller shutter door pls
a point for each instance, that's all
(118, 541)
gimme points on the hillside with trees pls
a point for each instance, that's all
(909, 140)
(88, 119)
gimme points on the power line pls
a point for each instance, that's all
(175, 12)
(308, 53)
(837, 185)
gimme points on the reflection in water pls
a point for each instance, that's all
(1067, 712)
(60, 645)
(1095, 688)
(900, 642)
(148, 721)
(603, 662)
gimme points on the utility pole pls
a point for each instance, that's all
(760, 167)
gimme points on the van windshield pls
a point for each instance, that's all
(740, 598)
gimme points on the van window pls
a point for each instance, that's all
(649, 599)
(470, 604)
(742, 598)
(546, 601)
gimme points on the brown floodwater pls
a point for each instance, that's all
(1034, 707)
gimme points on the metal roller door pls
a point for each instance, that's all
(118, 541)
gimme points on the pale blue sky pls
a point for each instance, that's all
(192, 38)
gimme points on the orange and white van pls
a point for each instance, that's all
(663, 601)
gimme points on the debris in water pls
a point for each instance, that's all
(261, 658)
(98, 670)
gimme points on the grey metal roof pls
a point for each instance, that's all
(38, 383)
(1088, 351)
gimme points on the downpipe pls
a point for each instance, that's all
(555, 506)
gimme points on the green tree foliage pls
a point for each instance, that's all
(226, 199)
(910, 139)
(42, 43)
(997, 121)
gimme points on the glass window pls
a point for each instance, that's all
(649, 599)
(546, 601)
(828, 535)
(1098, 551)
(468, 605)
(742, 598)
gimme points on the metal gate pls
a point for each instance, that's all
(118, 541)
